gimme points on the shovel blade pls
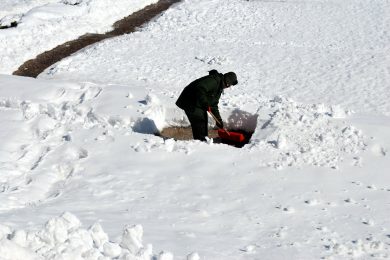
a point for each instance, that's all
(231, 136)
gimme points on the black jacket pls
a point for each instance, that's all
(203, 93)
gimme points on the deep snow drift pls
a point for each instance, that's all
(312, 182)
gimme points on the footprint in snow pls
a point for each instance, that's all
(29, 181)
(64, 170)
(287, 209)
(249, 249)
(371, 187)
(357, 183)
(281, 232)
(350, 200)
(323, 229)
(312, 202)
(83, 153)
(378, 150)
(357, 161)
(4, 187)
(368, 222)
(105, 135)
(67, 138)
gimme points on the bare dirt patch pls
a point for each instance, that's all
(129, 24)
(185, 133)
(182, 133)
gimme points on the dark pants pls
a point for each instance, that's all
(199, 125)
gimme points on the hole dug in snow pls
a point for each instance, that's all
(238, 122)
(185, 133)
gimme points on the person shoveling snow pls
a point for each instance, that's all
(202, 96)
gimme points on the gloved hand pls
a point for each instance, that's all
(209, 109)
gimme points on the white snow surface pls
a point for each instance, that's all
(44, 24)
(333, 52)
(312, 182)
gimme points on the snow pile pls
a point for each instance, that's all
(64, 238)
(301, 134)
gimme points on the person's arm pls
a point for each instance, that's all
(214, 109)
(208, 99)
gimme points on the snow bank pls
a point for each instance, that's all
(64, 238)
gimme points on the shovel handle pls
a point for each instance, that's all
(226, 131)
(216, 120)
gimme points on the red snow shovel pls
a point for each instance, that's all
(227, 135)
(231, 136)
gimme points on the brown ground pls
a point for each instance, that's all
(185, 133)
(129, 24)
(182, 133)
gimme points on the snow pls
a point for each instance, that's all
(312, 182)
(332, 52)
(45, 24)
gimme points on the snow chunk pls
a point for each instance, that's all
(111, 250)
(98, 235)
(132, 238)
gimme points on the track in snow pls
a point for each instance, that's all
(129, 24)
